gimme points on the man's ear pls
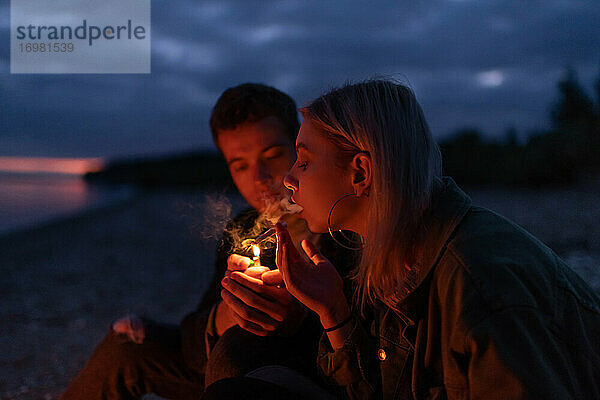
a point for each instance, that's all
(362, 174)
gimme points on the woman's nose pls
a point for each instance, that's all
(290, 182)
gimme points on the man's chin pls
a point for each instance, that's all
(268, 202)
(271, 197)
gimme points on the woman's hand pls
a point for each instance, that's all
(317, 285)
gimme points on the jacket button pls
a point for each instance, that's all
(381, 354)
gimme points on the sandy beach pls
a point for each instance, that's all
(62, 284)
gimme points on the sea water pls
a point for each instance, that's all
(29, 200)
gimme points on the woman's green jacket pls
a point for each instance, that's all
(495, 315)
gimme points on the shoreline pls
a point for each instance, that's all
(63, 219)
(32, 200)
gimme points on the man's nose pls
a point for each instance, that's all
(290, 182)
(262, 173)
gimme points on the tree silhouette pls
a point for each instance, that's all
(574, 108)
(576, 118)
(598, 95)
(562, 155)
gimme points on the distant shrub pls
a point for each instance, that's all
(563, 155)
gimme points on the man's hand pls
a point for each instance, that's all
(235, 262)
(132, 326)
(258, 307)
(224, 317)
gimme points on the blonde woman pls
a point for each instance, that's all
(451, 300)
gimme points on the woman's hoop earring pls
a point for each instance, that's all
(359, 243)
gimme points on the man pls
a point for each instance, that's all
(233, 331)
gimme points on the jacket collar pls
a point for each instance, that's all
(448, 207)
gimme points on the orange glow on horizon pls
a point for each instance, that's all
(68, 166)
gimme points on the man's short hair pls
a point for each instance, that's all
(252, 102)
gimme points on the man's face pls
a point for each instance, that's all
(258, 154)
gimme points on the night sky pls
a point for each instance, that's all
(486, 64)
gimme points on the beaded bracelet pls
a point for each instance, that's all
(338, 326)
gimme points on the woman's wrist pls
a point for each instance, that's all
(335, 316)
(337, 325)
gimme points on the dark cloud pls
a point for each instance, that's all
(487, 64)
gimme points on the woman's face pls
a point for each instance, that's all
(317, 181)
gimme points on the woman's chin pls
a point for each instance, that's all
(315, 228)
(312, 225)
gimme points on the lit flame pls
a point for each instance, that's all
(256, 251)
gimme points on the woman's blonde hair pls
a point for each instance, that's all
(384, 119)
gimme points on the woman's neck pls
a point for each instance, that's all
(360, 217)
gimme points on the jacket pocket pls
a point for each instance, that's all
(395, 363)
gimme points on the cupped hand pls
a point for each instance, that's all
(261, 308)
(317, 284)
(256, 306)
(236, 262)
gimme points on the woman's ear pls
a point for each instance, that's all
(362, 174)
